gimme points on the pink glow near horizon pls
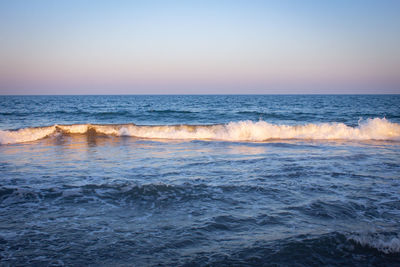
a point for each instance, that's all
(157, 48)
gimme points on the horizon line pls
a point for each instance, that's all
(199, 94)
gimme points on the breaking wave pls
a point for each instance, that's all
(384, 242)
(370, 129)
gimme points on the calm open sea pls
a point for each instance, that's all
(200, 180)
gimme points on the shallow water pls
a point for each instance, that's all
(328, 194)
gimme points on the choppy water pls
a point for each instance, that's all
(200, 180)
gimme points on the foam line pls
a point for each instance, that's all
(370, 129)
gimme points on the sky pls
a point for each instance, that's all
(199, 47)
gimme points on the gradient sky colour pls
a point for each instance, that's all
(200, 47)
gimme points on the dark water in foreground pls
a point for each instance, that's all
(200, 180)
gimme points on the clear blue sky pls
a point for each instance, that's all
(151, 47)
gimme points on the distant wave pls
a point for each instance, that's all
(370, 129)
(170, 111)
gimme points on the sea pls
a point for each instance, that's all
(200, 180)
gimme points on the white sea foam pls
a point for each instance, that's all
(25, 135)
(371, 129)
(385, 244)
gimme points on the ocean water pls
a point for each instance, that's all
(245, 180)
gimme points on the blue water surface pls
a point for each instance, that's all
(91, 199)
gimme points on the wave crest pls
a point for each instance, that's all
(386, 243)
(371, 129)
